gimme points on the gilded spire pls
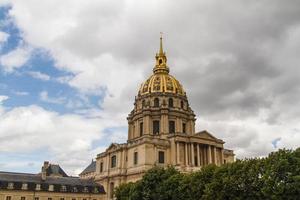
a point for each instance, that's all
(161, 51)
(161, 59)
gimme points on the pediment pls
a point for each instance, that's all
(205, 134)
(112, 146)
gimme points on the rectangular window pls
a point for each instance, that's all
(101, 167)
(8, 197)
(171, 127)
(141, 128)
(183, 128)
(49, 198)
(135, 158)
(62, 198)
(113, 161)
(155, 127)
(36, 198)
(161, 157)
(23, 198)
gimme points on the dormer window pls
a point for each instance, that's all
(51, 188)
(75, 189)
(160, 61)
(96, 190)
(24, 186)
(10, 186)
(38, 187)
(63, 188)
(85, 189)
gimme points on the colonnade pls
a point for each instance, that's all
(198, 154)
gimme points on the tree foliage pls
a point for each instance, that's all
(274, 177)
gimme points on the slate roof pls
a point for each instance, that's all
(89, 169)
(55, 170)
(81, 185)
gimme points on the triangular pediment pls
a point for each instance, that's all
(205, 134)
(112, 146)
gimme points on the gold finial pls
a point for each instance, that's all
(161, 45)
(161, 59)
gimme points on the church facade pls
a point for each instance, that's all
(161, 132)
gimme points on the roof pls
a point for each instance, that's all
(81, 185)
(89, 169)
(55, 170)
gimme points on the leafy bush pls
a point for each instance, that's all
(274, 177)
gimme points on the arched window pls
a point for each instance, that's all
(156, 102)
(143, 103)
(182, 104)
(155, 127)
(170, 102)
(171, 126)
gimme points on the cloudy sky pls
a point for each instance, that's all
(69, 71)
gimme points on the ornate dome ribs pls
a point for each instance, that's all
(164, 83)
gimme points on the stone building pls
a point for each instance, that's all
(51, 184)
(161, 132)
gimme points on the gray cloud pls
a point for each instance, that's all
(238, 60)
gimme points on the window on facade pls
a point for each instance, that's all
(171, 126)
(101, 167)
(49, 198)
(155, 127)
(183, 128)
(161, 157)
(156, 102)
(36, 198)
(8, 197)
(135, 158)
(182, 104)
(171, 103)
(113, 161)
(143, 103)
(141, 128)
(73, 198)
(23, 198)
(62, 198)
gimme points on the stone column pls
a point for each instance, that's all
(215, 154)
(198, 155)
(178, 126)
(192, 154)
(204, 151)
(209, 154)
(177, 153)
(186, 155)
(222, 156)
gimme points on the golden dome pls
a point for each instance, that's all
(161, 80)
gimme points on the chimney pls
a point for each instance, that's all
(44, 170)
